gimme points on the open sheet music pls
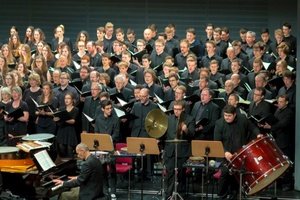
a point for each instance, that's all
(44, 160)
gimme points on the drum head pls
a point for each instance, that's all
(268, 178)
(38, 137)
(4, 150)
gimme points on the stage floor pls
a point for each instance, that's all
(152, 190)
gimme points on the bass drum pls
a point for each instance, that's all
(263, 162)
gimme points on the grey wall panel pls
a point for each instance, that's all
(137, 14)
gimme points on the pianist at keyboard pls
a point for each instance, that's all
(90, 179)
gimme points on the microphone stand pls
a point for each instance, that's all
(142, 149)
(207, 151)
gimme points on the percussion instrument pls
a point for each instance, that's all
(262, 161)
(156, 123)
(9, 153)
(38, 137)
(175, 141)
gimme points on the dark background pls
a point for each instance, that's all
(137, 14)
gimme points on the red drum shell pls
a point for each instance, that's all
(263, 161)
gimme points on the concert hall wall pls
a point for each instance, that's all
(137, 14)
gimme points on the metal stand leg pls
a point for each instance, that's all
(175, 192)
(162, 191)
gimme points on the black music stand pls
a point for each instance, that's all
(206, 148)
(142, 146)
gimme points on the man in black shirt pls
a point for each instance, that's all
(107, 121)
(180, 126)
(90, 179)
(89, 107)
(234, 131)
(289, 39)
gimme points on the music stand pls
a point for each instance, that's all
(142, 146)
(98, 142)
(207, 149)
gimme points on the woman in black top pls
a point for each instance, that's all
(32, 93)
(66, 133)
(5, 99)
(44, 122)
(16, 126)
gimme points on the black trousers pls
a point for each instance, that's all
(228, 185)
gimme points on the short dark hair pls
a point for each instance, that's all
(106, 102)
(265, 30)
(262, 90)
(229, 109)
(179, 103)
(284, 96)
(139, 86)
(286, 24)
(289, 74)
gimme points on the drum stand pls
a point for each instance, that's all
(242, 171)
(175, 192)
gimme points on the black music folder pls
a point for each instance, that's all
(138, 55)
(39, 106)
(63, 115)
(15, 114)
(277, 82)
(83, 94)
(115, 58)
(220, 102)
(124, 115)
(270, 119)
(192, 98)
(90, 119)
(203, 122)
(158, 67)
(76, 83)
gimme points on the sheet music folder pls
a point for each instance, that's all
(43, 162)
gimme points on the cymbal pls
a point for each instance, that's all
(175, 141)
(156, 123)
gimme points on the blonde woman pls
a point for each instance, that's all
(59, 33)
(16, 127)
(5, 99)
(3, 69)
(10, 60)
(25, 56)
(33, 92)
(14, 43)
(39, 65)
(48, 55)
